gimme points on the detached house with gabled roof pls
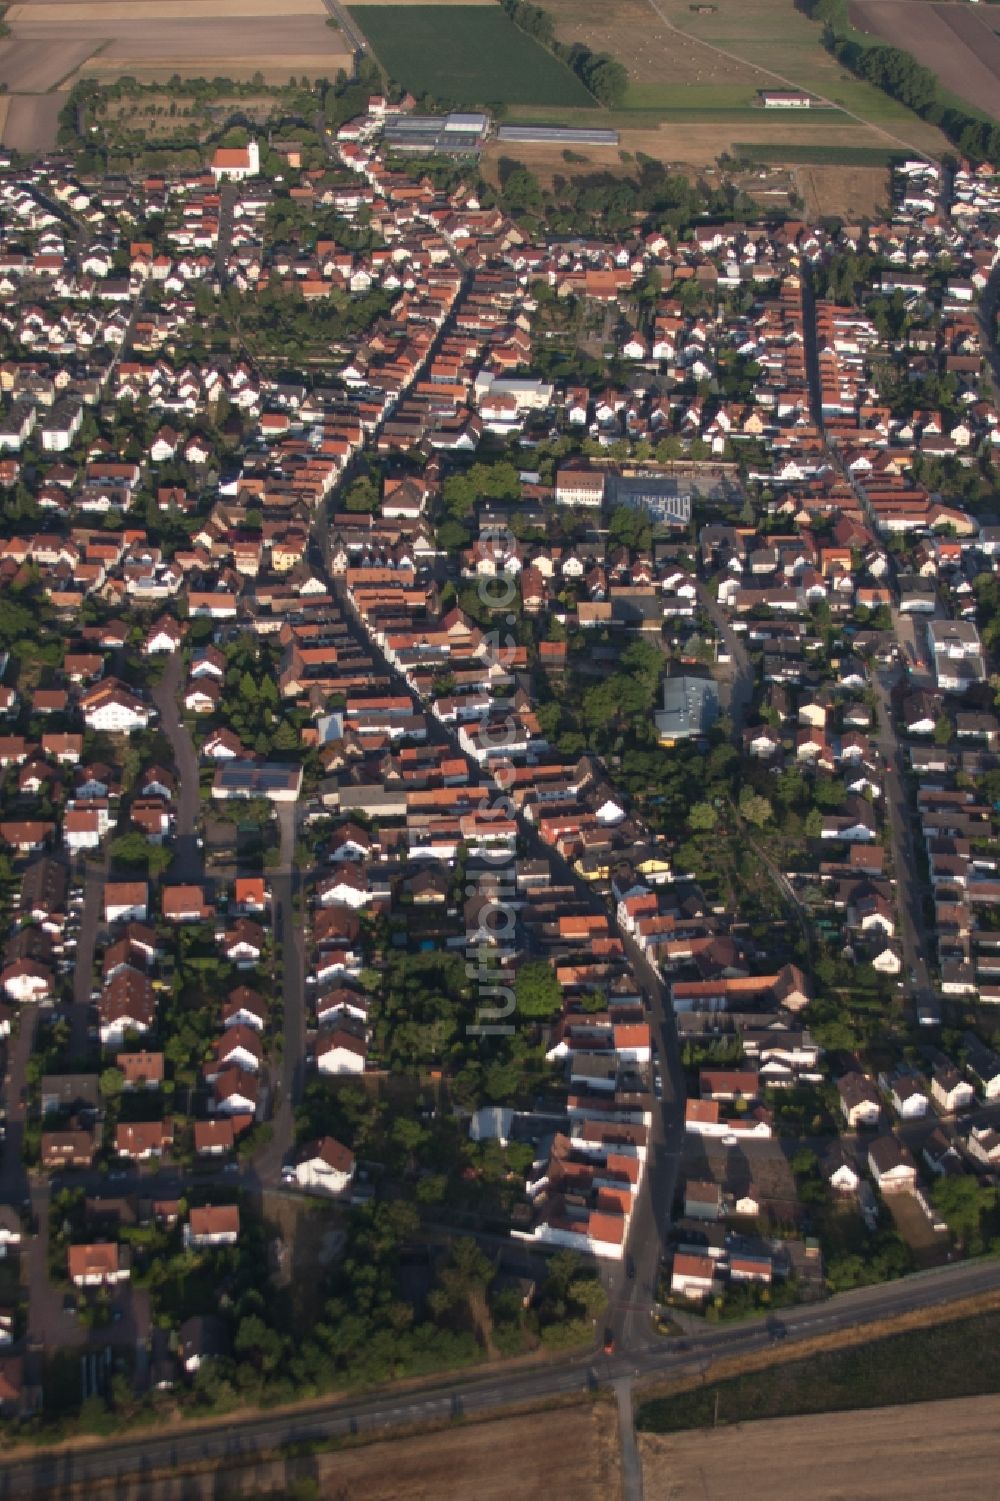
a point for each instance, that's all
(891, 1165)
(325, 1166)
(244, 1007)
(164, 637)
(212, 1225)
(114, 709)
(98, 1265)
(184, 904)
(140, 1141)
(340, 1051)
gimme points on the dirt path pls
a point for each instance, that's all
(930, 1450)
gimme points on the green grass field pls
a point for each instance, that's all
(471, 54)
(817, 156)
(960, 1359)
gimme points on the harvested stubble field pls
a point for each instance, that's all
(547, 162)
(936, 1449)
(653, 54)
(702, 144)
(52, 42)
(962, 48)
(469, 53)
(853, 193)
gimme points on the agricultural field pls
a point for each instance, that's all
(54, 42)
(709, 60)
(850, 193)
(471, 54)
(700, 144)
(961, 47)
(886, 1454)
(917, 1365)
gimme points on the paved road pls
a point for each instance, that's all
(224, 240)
(736, 688)
(91, 917)
(627, 1442)
(287, 929)
(187, 864)
(909, 897)
(989, 305)
(909, 891)
(13, 1178)
(355, 37)
(243, 1439)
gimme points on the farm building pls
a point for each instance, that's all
(785, 99)
(557, 135)
(445, 135)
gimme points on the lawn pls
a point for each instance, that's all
(469, 54)
(960, 1359)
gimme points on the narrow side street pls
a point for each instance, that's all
(86, 946)
(187, 864)
(287, 929)
(628, 1442)
(909, 897)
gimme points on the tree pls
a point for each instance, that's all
(755, 808)
(286, 737)
(537, 990)
(963, 1205)
(629, 526)
(362, 496)
(703, 817)
(111, 1083)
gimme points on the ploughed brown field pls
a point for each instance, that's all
(954, 41)
(920, 1453)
